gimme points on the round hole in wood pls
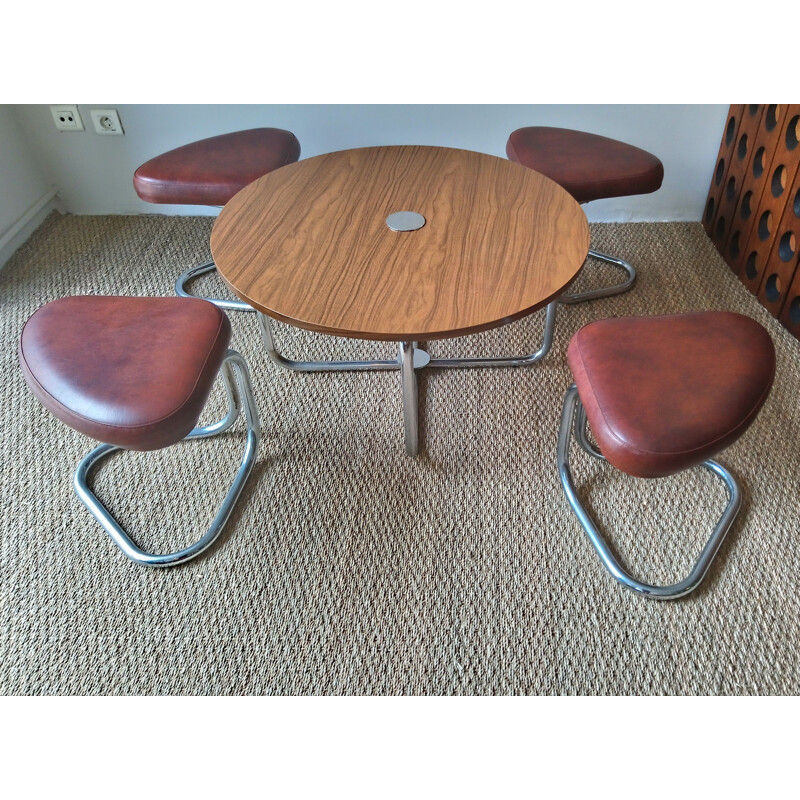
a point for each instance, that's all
(720, 227)
(753, 109)
(758, 163)
(720, 172)
(742, 149)
(772, 288)
(730, 131)
(793, 132)
(788, 246)
(765, 226)
(730, 189)
(796, 204)
(794, 311)
(747, 208)
(751, 268)
(771, 117)
(778, 181)
(710, 209)
(733, 247)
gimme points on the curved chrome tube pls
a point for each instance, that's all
(234, 406)
(240, 396)
(582, 433)
(606, 291)
(202, 269)
(692, 581)
(508, 361)
(334, 366)
(314, 366)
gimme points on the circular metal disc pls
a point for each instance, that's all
(405, 221)
(421, 358)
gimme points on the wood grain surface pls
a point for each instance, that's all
(308, 243)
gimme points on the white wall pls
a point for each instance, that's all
(94, 172)
(26, 197)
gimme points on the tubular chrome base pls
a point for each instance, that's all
(410, 359)
(483, 361)
(240, 396)
(573, 420)
(607, 291)
(195, 272)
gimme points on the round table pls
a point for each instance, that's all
(309, 244)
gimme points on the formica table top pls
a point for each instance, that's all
(308, 243)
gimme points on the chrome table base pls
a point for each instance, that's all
(573, 421)
(411, 358)
(240, 397)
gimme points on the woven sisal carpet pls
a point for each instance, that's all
(350, 568)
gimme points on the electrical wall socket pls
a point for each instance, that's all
(106, 121)
(67, 118)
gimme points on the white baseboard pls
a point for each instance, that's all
(20, 230)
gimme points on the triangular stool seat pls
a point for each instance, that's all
(662, 394)
(130, 371)
(209, 172)
(590, 167)
(135, 373)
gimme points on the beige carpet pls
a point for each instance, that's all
(350, 568)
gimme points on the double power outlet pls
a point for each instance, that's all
(105, 120)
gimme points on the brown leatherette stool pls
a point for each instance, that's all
(135, 374)
(663, 394)
(209, 173)
(589, 167)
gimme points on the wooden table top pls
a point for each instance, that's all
(308, 243)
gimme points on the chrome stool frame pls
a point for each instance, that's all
(240, 397)
(573, 421)
(410, 359)
(605, 291)
(196, 272)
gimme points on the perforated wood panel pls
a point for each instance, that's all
(752, 212)
(790, 316)
(781, 265)
(748, 229)
(714, 222)
(734, 169)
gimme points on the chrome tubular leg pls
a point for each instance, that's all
(241, 394)
(581, 432)
(692, 581)
(202, 269)
(314, 366)
(507, 361)
(606, 291)
(234, 406)
(410, 396)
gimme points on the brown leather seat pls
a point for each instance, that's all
(128, 371)
(665, 393)
(211, 171)
(588, 166)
